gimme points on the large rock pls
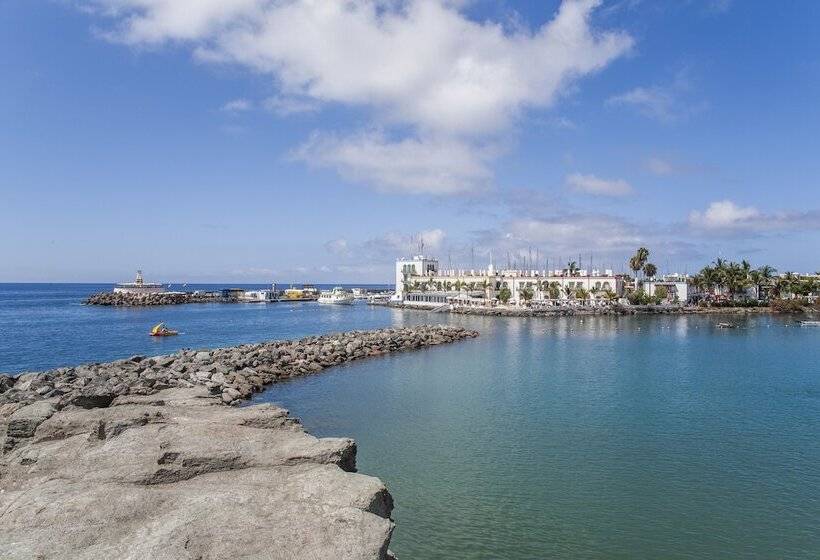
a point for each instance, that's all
(175, 475)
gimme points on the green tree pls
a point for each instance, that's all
(661, 294)
(650, 270)
(638, 297)
(581, 294)
(527, 294)
(504, 295)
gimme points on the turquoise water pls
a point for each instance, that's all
(656, 437)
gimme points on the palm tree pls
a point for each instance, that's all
(572, 268)
(650, 270)
(762, 276)
(581, 294)
(637, 262)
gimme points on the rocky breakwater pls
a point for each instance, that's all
(142, 459)
(131, 300)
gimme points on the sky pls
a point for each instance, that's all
(319, 140)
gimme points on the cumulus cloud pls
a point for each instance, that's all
(421, 64)
(410, 165)
(590, 184)
(726, 216)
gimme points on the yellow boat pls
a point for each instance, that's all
(162, 330)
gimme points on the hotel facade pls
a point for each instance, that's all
(420, 281)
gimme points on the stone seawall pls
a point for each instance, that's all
(133, 300)
(568, 311)
(142, 459)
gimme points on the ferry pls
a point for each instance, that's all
(139, 286)
(337, 295)
(305, 293)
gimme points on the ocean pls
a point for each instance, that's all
(579, 438)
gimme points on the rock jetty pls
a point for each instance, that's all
(233, 373)
(132, 300)
(142, 459)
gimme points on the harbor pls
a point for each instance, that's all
(141, 293)
(529, 397)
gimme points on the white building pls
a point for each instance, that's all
(421, 278)
(677, 289)
(258, 296)
(406, 269)
(138, 286)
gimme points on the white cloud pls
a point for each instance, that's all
(412, 165)
(421, 64)
(654, 102)
(590, 184)
(575, 233)
(667, 103)
(726, 217)
(338, 246)
(237, 106)
(724, 214)
(284, 106)
(660, 167)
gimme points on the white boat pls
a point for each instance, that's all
(810, 323)
(336, 295)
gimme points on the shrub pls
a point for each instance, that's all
(638, 297)
(504, 295)
(787, 305)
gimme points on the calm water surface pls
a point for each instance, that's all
(657, 437)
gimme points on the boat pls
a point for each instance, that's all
(337, 295)
(139, 286)
(305, 293)
(726, 326)
(162, 330)
(810, 323)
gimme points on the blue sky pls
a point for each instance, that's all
(297, 140)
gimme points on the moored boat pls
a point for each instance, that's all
(337, 295)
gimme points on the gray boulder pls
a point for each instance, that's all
(175, 475)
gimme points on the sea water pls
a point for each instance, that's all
(595, 437)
